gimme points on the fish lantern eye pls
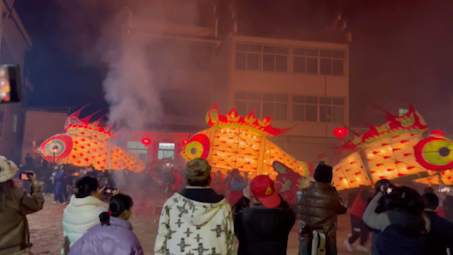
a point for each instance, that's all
(146, 141)
(340, 132)
(55, 148)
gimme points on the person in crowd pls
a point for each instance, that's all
(440, 209)
(218, 184)
(169, 180)
(197, 220)
(83, 211)
(440, 236)
(318, 207)
(227, 181)
(236, 187)
(114, 235)
(91, 172)
(359, 228)
(15, 204)
(403, 227)
(263, 227)
(177, 183)
(246, 177)
(60, 186)
(29, 162)
(446, 196)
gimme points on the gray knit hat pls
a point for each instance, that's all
(198, 170)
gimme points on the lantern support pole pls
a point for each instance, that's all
(364, 159)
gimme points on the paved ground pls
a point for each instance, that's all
(46, 229)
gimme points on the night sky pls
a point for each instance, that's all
(399, 49)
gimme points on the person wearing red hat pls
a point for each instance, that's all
(263, 227)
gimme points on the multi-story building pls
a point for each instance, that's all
(14, 43)
(300, 83)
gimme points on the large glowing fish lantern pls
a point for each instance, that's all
(240, 142)
(399, 148)
(87, 144)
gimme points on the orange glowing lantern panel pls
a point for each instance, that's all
(340, 132)
(240, 142)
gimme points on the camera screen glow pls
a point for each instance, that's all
(5, 86)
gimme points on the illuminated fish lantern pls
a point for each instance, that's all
(435, 153)
(289, 182)
(87, 144)
(402, 147)
(240, 142)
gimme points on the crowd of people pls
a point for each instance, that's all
(200, 219)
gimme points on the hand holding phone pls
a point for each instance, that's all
(28, 176)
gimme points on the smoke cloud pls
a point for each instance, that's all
(129, 89)
(101, 39)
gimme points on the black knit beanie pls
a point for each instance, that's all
(323, 173)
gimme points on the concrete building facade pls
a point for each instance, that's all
(15, 42)
(197, 62)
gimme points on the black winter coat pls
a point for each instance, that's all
(440, 237)
(318, 207)
(262, 231)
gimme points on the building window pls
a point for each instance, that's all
(138, 149)
(305, 108)
(317, 109)
(166, 150)
(262, 58)
(331, 109)
(15, 124)
(2, 121)
(264, 104)
(313, 61)
(305, 60)
(275, 105)
(403, 111)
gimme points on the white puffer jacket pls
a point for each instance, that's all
(80, 215)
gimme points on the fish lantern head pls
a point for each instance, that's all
(56, 148)
(435, 153)
(197, 147)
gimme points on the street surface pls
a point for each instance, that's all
(47, 231)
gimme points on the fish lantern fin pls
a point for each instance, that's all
(250, 122)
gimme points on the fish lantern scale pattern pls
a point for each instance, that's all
(385, 152)
(88, 144)
(240, 142)
(401, 147)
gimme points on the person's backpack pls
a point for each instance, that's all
(318, 244)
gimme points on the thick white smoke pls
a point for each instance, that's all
(133, 98)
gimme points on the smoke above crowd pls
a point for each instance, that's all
(119, 37)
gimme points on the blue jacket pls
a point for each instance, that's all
(59, 182)
(116, 239)
(237, 185)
